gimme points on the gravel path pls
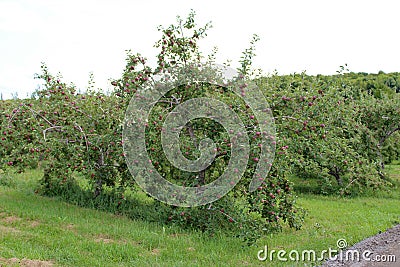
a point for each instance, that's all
(383, 250)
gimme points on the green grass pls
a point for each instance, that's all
(35, 227)
(330, 219)
(394, 171)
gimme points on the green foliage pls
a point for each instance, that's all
(333, 131)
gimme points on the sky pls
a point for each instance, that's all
(77, 38)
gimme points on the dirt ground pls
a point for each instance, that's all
(24, 262)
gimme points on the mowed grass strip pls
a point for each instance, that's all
(48, 229)
(40, 228)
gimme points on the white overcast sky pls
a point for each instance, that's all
(79, 37)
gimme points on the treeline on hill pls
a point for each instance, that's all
(339, 130)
